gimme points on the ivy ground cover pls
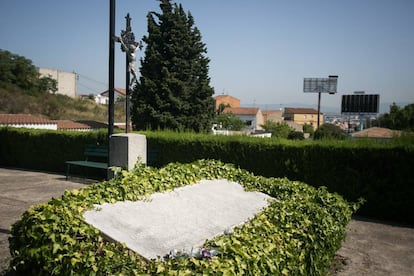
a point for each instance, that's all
(297, 234)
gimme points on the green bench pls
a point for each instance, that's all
(94, 157)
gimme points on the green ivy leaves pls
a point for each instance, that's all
(297, 234)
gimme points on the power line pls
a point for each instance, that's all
(91, 79)
(87, 87)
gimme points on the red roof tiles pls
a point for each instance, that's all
(241, 110)
(28, 119)
(377, 132)
(15, 119)
(291, 110)
(118, 90)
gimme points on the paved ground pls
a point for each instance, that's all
(371, 248)
(376, 248)
(18, 191)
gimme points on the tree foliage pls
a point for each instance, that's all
(398, 118)
(329, 131)
(230, 121)
(278, 130)
(296, 135)
(174, 88)
(19, 71)
(308, 129)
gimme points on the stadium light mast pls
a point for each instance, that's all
(320, 85)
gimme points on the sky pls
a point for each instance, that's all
(260, 51)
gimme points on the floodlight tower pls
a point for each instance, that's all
(320, 85)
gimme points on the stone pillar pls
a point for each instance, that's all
(125, 149)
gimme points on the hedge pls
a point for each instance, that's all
(45, 150)
(297, 234)
(379, 172)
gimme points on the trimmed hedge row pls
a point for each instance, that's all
(379, 172)
(297, 234)
(45, 150)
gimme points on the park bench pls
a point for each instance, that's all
(94, 156)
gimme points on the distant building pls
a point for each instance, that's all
(303, 116)
(252, 116)
(103, 98)
(272, 115)
(26, 121)
(80, 125)
(378, 133)
(37, 122)
(226, 101)
(66, 81)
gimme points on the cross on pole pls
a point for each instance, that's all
(129, 46)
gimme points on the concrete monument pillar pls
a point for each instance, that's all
(125, 150)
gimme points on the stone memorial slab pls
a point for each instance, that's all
(178, 220)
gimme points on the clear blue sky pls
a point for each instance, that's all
(260, 51)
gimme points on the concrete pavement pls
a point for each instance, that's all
(20, 189)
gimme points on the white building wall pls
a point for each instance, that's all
(101, 99)
(255, 121)
(35, 126)
(66, 81)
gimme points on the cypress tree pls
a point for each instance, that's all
(174, 90)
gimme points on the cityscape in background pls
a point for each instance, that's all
(68, 81)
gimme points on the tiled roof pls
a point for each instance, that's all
(118, 90)
(377, 132)
(269, 112)
(94, 124)
(19, 119)
(291, 110)
(68, 124)
(225, 97)
(28, 119)
(241, 110)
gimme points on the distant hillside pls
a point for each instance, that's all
(14, 100)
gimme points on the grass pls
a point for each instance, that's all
(56, 107)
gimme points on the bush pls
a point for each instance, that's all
(229, 121)
(297, 234)
(278, 130)
(329, 131)
(296, 135)
(379, 172)
(44, 149)
(308, 129)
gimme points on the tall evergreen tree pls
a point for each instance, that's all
(174, 90)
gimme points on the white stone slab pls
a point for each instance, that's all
(182, 219)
